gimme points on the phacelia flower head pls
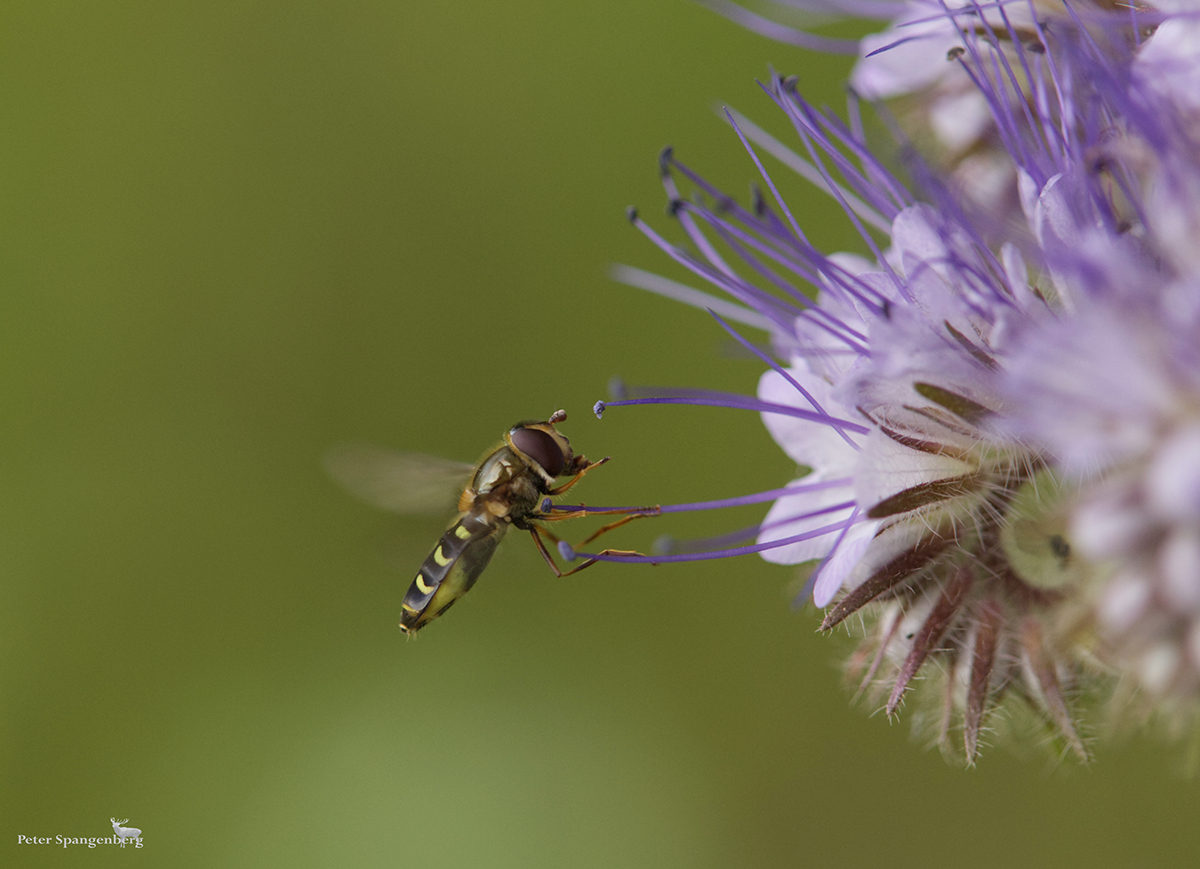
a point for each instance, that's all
(1113, 391)
(996, 413)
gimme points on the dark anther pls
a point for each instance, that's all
(674, 207)
(955, 53)
(631, 214)
(759, 204)
(923, 495)
(886, 310)
(665, 156)
(790, 83)
(1035, 48)
(959, 405)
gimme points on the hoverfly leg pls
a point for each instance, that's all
(592, 561)
(585, 511)
(614, 525)
(540, 544)
(537, 539)
(629, 513)
(578, 476)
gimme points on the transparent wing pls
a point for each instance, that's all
(396, 481)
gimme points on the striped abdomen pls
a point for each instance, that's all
(451, 569)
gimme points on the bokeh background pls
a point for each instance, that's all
(236, 233)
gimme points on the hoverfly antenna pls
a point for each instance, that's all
(558, 416)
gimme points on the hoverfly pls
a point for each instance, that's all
(512, 485)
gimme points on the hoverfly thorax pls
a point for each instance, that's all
(523, 469)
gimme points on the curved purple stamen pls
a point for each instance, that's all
(668, 545)
(897, 43)
(780, 32)
(810, 136)
(781, 371)
(780, 244)
(739, 402)
(774, 308)
(739, 501)
(811, 583)
(667, 288)
(719, 553)
(808, 131)
(734, 234)
(880, 10)
(874, 207)
(766, 177)
(849, 284)
(685, 220)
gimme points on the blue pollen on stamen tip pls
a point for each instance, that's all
(598, 409)
(566, 550)
(547, 505)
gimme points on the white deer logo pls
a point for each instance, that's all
(125, 832)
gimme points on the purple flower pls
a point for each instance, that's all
(996, 411)
(1113, 391)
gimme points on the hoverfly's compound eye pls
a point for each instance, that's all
(540, 447)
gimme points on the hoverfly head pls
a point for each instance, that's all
(540, 445)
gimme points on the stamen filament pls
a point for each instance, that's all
(709, 556)
(743, 403)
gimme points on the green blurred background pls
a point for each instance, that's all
(234, 234)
